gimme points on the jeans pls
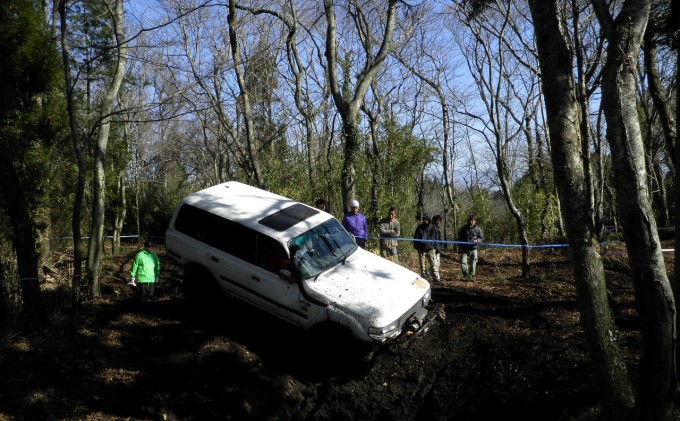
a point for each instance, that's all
(468, 267)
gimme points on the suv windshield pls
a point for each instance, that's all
(321, 247)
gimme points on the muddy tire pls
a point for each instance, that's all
(199, 286)
(332, 339)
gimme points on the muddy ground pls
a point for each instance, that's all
(502, 347)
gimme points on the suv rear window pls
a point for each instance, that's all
(286, 218)
(216, 231)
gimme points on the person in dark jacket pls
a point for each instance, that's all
(423, 241)
(469, 237)
(322, 205)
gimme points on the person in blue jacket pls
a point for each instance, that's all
(355, 223)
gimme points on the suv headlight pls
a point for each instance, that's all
(427, 296)
(386, 332)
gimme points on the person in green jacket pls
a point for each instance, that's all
(145, 271)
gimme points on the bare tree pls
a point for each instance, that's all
(436, 82)
(563, 113)
(301, 83)
(79, 147)
(349, 103)
(654, 36)
(245, 99)
(660, 130)
(657, 161)
(117, 16)
(119, 208)
(304, 102)
(101, 127)
(675, 28)
(223, 108)
(509, 99)
(658, 379)
(588, 48)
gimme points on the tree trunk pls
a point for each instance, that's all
(79, 148)
(138, 224)
(661, 196)
(99, 181)
(675, 18)
(658, 380)
(656, 91)
(350, 132)
(602, 185)
(492, 75)
(23, 240)
(448, 147)
(251, 147)
(303, 102)
(120, 211)
(348, 108)
(501, 167)
(563, 113)
(4, 307)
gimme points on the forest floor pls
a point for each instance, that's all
(502, 347)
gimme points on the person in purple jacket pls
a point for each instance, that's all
(355, 223)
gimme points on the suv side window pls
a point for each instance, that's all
(196, 223)
(270, 254)
(216, 231)
(237, 240)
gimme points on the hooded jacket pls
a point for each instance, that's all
(468, 234)
(425, 232)
(356, 224)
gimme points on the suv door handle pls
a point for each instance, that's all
(214, 259)
(255, 278)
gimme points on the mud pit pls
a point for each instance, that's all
(502, 347)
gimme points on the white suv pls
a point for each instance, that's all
(293, 261)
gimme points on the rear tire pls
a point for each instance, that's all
(199, 286)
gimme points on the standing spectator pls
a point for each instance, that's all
(322, 205)
(425, 246)
(145, 271)
(436, 220)
(390, 228)
(470, 236)
(355, 223)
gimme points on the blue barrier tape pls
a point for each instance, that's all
(536, 246)
(21, 279)
(106, 236)
(465, 242)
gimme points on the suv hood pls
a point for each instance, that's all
(372, 287)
